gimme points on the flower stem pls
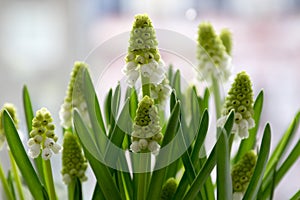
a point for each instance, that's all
(5, 184)
(71, 189)
(145, 85)
(16, 176)
(217, 96)
(49, 179)
(143, 178)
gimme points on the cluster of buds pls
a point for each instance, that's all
(146, 134)
(73, 160)
(42, 136)
(240, 99)
(13, 113)
(74, 97)
(143, 59)
(241, 174)
(213, 53)
(169, 189)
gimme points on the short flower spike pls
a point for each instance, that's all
(143, 60)
(73, 97)
(73, 160)
(42, 136)
(226, 38)
(212, 55)
(242, 172)
(13, 113)
(146, 134)
(169, 189)
(240, 99)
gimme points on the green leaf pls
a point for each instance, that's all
(208, 166)
(224, 184)
(24, 164)
(5, 184)
(283, 169)
(107, 108)
(256, 180)
(248, 144)
(157, 179)
(98, 195)
(10, 181)
(296, 196)
(102, 172)
(283, 144)
(177, 85)
(29, 116)
(133, 103)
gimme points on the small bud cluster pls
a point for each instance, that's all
(42, 136)
(74, 97)
(73, 160)
(213, 56)
(240, 99)
(169, 189)
(242, 172)
(13, 113)
(146, 134)
(143, 58)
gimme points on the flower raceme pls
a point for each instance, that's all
(143, 59)
(13, 113)
(146, 134)
(73, 161)
(74, 97)
(241, 174)
(213, 55)
(239, 99)
(42, 136)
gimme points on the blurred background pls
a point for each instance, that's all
(40, 40)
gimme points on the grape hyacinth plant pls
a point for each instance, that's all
(146, 139)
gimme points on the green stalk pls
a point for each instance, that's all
(217, 96)
(5, 185)
(145, 85)
(49, 179)
(71, 189)
(16, 176)
(143, 178)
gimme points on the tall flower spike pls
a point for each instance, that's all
(146, 134)
(241, 174)
(71, 100)
(143, 59)
(13, 113)
(240, 99)
(42, 136)
(212, 55)
(73, 161)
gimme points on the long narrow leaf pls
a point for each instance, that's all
(102, 173)
(224, 184)
(255, 182)
(24, 164)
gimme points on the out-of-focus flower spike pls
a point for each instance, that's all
(74, 97)
(169, 189)
(226, 38)
(11, 109)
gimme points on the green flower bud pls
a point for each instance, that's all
(13, 114)
(226, 38)
(212, 55)
(169, 189)
(242, 172)
(146, 134)
(71, 100)
(240, 99)
(74, 163)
